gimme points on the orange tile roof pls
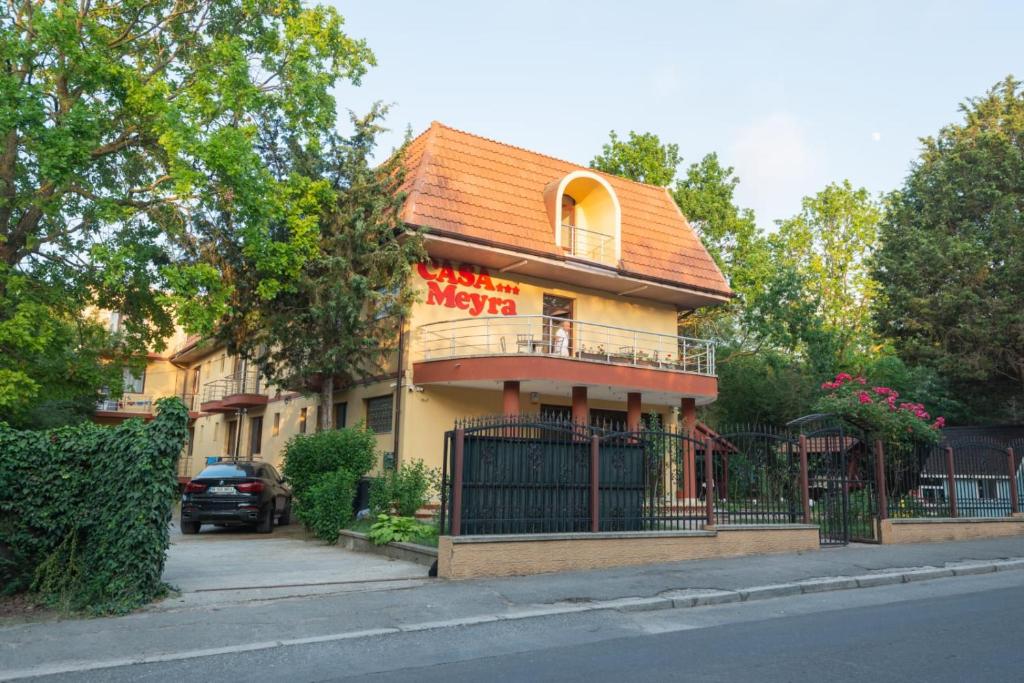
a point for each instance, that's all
(464, 184)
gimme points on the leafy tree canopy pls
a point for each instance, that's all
(951, 264)
(132, 134)
(340, 317)
(642, 157)
(829, 243)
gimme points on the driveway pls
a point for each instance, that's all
(231, 565)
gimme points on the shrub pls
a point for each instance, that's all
(390, 528)
(327, 507)
(85, 510)
(308, 457)
(404, 490)
(878, 410)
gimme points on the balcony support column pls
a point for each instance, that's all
(688, 413)
(580, 409)
(510, 399)
(633, 411)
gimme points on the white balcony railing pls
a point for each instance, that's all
(595, 246)
(537, 334)
(141, 405)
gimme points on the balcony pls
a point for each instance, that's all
(588, 244)
(243, 389)
(485, 351)
(113, 411)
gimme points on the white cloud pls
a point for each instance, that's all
(776, 165)
(876, 136)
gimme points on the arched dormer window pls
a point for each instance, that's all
(568, 210)
(588, 218)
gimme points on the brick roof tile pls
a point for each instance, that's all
(480, 188)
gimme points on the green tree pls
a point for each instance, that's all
(951, 263)
(705, 195)
(341, 317)
(642, 157)
(131, 133)
(829, 242)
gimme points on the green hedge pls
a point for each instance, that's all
(323, 469)
(85, 510)
(310, 456)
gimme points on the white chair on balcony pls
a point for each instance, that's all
(525, 341)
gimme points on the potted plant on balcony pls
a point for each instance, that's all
(592, 352)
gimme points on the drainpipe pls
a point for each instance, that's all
(398, 387)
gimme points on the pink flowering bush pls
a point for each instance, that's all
(878, 410)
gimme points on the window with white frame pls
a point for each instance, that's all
(132, 383)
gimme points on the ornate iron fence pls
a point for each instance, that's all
(532, 474)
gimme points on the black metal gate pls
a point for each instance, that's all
(827, 476)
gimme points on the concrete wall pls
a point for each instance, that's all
(951, 529)
(463, 557)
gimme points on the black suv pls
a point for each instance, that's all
(231, 493)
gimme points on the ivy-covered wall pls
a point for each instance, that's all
(85, 510)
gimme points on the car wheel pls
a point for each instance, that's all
(266, 523)
(190, 527)
(286, 516)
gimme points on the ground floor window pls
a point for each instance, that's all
(379, 414)
(987, 489)
(232, 441)
(255, 436)
(340, 415)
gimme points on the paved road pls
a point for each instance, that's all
(957, 629)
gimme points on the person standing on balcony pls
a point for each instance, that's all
(560, 347)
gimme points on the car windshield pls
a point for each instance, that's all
(226, 471)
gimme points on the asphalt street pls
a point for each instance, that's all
(956, 629)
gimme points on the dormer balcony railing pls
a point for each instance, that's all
(588, 244)
(538, 334)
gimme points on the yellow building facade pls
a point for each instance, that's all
(549, 289)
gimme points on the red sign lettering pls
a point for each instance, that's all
(469, 277)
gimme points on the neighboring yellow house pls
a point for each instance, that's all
(550, 288)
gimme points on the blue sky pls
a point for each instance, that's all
(793, 94)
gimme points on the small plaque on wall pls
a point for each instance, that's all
(389, 460)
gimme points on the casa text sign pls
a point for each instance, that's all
(468, 288)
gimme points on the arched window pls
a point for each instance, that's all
(587, 217)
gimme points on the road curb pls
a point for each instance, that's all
(672, 599)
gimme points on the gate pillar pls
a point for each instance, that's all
(688, 411)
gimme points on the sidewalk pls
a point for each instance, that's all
(162, 634)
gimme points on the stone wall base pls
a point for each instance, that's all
(935, 530)
(464, 557)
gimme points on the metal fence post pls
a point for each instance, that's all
(709, 480)
(951, 482)
(880, 487)
(460, 443)
(1014, 501)
(595, 482)
(805, 490)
